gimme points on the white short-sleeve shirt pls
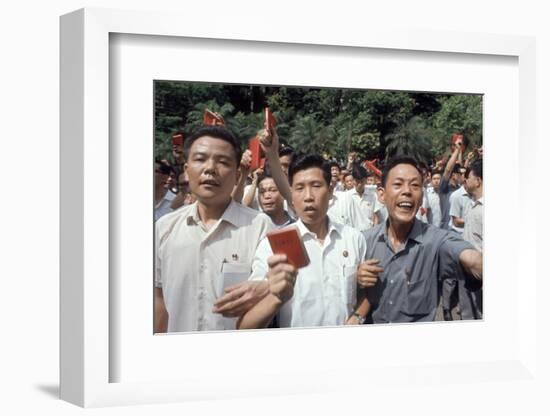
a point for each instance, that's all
(164, 205)
(190, 260)
(366, 205)
(460, 203)
(325, 292)
(343, 208)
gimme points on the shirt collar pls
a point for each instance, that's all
(230, 215)
(416, 233)
(332, 227)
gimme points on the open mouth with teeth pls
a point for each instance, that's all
(408, 206)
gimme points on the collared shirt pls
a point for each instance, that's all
(460, 203)
(434, 207)
(407, 288)
(366, 205)
(190, 261)
(325, 292)
(473, 225)
(445, 191)
(164, 205)
(343, 208)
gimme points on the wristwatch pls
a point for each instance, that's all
(360, 318)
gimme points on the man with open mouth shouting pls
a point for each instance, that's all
(407, 255)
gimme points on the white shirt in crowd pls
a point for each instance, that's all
(434, 207)
(473, 225)
(325, 292)
(192, 262)
(366, 205)
(343, 208)
(163, 206)
(460, 203)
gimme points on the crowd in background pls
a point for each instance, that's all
(434, 258)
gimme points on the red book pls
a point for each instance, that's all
(177, 139)
(288, 241)
(458, 138)
(270, 121)
(212, 119)
(258, 159)
(369, 164)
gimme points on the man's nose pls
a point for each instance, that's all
(209, 165)
(308, 194)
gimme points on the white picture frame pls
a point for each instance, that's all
(86, 355)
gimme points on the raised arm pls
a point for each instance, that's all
(244, 170)
(451, 162)
(269, 140)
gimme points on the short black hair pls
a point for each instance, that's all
(358, 172)
(265, 175)
(217, 132)
(163, 167)
(399, 160)
(477, 168)
(456, 168)
(333, 163)
(286, 151)
(309, 161)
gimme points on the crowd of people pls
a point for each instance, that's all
(399, 245)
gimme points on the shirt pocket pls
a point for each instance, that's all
(234, 273)
(419, 299)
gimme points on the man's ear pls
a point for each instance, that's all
(382, 195)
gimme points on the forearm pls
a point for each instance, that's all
(161, 315)
(281, 180)
(450, 164)
(249, 196)
(458, 222)
(260, 315)
(238, 190)
(363, 304)
(472, 262)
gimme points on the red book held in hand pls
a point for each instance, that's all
(288, 241)
(270, 121)
(258, 159)
(212, 119)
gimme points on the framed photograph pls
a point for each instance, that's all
(109, 353)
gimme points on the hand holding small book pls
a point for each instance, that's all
(281, 277)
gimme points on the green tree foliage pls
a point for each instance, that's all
(412, 139)
(374, 124)
(458, 114)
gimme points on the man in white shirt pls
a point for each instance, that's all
(366, 197)
(163, 195)
(460, 204)
(432, 195)
(325, 291)
(272, 202)
(204, 249)
(473, 223)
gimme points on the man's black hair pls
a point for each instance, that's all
(456, 168)
(164, 167)
(358, 172)
(217, 132)
(286, 150)
(309, 161)
(333, 163)
(477, 168)
(399, 160)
